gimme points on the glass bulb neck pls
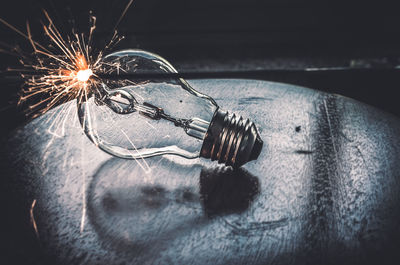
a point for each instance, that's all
(231, 140)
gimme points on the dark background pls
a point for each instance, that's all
(246, 37)
(237, 39)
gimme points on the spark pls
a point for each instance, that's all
(148, 123)
(33, 218)
(65, 69)
(83, 214)
(146, 168)
(123, 14)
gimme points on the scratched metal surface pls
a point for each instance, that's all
(325, 188)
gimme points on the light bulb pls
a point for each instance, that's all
(149, 114)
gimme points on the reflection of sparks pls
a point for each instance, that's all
(83, 197)
(33, 218)
(146, 168)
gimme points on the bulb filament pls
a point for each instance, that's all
(122, 102)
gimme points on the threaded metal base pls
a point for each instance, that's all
(231, 140)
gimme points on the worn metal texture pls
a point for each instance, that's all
(325, 189)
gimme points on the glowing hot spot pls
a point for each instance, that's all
(84, 75)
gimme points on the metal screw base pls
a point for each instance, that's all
(231, 140)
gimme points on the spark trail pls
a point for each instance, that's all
(64, 69)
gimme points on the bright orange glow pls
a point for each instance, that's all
(83, 73)
(63, 69)
(80, 62)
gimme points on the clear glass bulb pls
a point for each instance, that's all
(145, 113)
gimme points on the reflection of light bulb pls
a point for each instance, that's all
(145, 117)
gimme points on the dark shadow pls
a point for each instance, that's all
(226, 190)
